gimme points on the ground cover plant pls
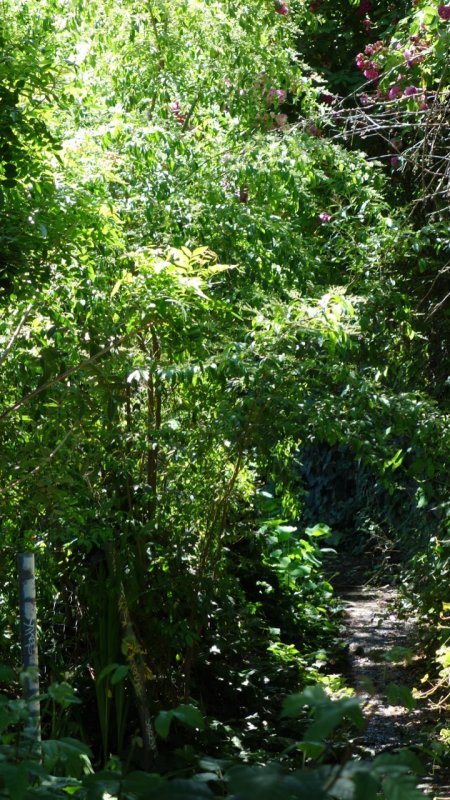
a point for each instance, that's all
(224, 330)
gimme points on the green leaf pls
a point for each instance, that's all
(318, 530)
(294, 704)
(394, 462)
(181, 790)
(189, 715)
(107, 671)
(119, 674)
(100, 784)
(366, 786)
(141, 783)
(7, 674)
(398, 695)
(271, 783)
(401, 787)
(403, 759)
(162, 723)
(15, 779)
(398, 654)
(311, 749)
(186, 713)
(63, 694)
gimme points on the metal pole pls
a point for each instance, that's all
(28, 639)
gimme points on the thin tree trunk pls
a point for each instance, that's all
(30, 656)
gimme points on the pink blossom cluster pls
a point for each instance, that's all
(413, 54)
(276, 96)
(281, 8)
(175, 109)
(444, 12)
(370, 68)
(394, 92)
(363, 11)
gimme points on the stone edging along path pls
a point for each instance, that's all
(381, 649)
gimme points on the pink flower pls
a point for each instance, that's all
(424, 105)
(276, 95)
(444, 12)
(324, 217)
(394, 92)
(364, 99)
(395, 161)
(408, 56)
(281, 8)
(371, 73)
(361, 61)
(410, 91)
(174, 107)
(367, 24)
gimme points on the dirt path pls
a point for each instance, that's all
(381, 650)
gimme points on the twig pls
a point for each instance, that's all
(68, 372)
(15, 335)
(45, 460)
(438, 305)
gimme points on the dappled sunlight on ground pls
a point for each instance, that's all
(383, 651)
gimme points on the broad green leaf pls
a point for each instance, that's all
(162, 723)
(119, 674)
(401, 787)
(311, 749)
(313, 696)
(141, 783)
(189, 715)
(107, 671)
(398, 695)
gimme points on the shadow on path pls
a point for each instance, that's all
(382, 650)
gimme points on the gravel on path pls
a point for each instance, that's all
(382, 650)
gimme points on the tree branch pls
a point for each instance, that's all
(68, 372)
(15, 335)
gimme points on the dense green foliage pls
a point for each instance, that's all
(224, 332)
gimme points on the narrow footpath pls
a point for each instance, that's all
(382, 651)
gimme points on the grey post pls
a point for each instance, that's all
(28, 637)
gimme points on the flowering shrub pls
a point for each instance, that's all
(413, 62)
